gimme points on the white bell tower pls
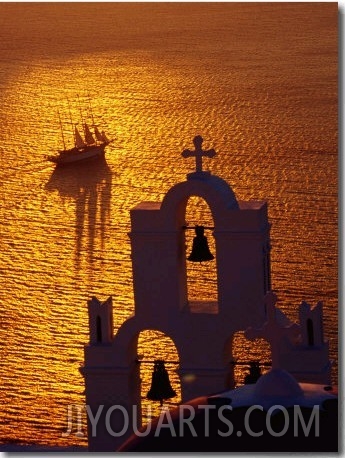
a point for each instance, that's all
(203, 340)
(241, 232)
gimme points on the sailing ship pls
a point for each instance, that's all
(90, 146)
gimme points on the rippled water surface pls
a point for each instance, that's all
(258, 81)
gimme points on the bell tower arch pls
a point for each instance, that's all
(157, 236)
(241, 232)
(200, 255)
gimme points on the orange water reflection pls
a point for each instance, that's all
(90, 188)
(263, 93)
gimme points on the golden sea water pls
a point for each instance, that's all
(257, 80)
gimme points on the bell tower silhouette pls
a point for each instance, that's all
(203, 340)
(242, 250)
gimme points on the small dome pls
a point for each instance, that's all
(276, 383)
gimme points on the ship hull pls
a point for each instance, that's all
(77, 155)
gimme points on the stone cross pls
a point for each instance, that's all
(198, 153)
(272, 331)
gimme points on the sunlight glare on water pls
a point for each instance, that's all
(257, 81)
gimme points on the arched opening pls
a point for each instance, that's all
(201, 276)
(310, 332)
(99, 329)
(245, 351)
(153, 345)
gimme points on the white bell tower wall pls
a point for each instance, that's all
(241, 232)
(203, 339)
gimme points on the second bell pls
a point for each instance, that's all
(200, 250)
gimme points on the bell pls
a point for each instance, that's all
(200, 250)
(160, 384)
(254, 373)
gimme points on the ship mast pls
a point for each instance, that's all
(63, 137)
(81, 116)
(91, 112)
(72, 125)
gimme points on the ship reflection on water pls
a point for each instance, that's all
(89, 184)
